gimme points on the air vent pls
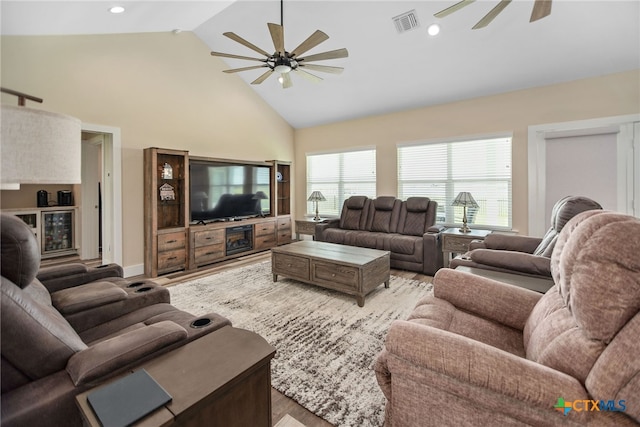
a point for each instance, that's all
(407, 21)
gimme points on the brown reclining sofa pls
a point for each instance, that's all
(405, 228)
(71, 328)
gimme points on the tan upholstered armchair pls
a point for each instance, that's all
(524, 255)
(481, 352)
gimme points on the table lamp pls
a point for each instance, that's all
(465, 199)
(316, 196)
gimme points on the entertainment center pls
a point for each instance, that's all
(199, 210)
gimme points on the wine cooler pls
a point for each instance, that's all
(58, 233)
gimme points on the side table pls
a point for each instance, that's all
(307, 226)
(220, 379)
(455, 241)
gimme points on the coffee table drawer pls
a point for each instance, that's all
(291, 266)
(335, 276)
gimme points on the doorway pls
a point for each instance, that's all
(597, 158)
(100, 205)
(91, 196)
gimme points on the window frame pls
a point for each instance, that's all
(450, 215)
(312, 185)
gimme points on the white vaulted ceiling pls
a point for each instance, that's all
(385, 71)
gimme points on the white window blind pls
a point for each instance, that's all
(338, 176)
(441, 170)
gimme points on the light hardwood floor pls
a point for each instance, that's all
(281, 404)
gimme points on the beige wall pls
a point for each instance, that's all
(161, 90)
(165, 90)
(611, 95)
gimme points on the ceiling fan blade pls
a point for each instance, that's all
(332, 54)
(312, 41)
(451, 9)
(323, 68)
(236, 70)
(277, 35)
(286, 80)
(262, 78)
(541, 9)
(311, 77)
(229, 55)
(237, 38)
(492, 14)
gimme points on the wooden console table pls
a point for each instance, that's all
(220, 379)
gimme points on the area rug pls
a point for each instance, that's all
(325, 344)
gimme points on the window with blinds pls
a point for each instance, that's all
(440, 170)
(338, 176)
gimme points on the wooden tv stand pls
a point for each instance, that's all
(172, 243)
(208, 242)
(220, 379)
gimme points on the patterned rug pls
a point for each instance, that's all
(326, 345)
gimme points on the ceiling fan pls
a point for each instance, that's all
(283, 61)
(541, 8)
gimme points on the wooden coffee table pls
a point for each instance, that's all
(348, 269)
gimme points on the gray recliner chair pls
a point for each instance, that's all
(525, 255)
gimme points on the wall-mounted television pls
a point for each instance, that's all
(222, 191)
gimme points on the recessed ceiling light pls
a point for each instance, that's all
(433, 29)
(116, 9)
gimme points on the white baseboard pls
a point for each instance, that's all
(133, 270)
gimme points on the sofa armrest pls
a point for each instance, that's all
(115, 353)
(59, 277)
(471, 362)
(509, 242)
(477, 244)
(432, 256)
(86, 297)
(436, 229)
(510, 260)
(320, 227)
(503, 303)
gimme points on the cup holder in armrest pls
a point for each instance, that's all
(135, 284)
(145, 289)
(200, 323)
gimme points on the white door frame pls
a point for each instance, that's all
(626, 144)
(111, 192)
(91, 175)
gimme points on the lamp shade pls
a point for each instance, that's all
(464, 198)
(316, 196)
(39, 147)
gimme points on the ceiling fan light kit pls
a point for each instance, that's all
(284, 62)
(541, 9)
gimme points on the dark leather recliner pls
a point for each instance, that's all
(525, 255)
(46, 362)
